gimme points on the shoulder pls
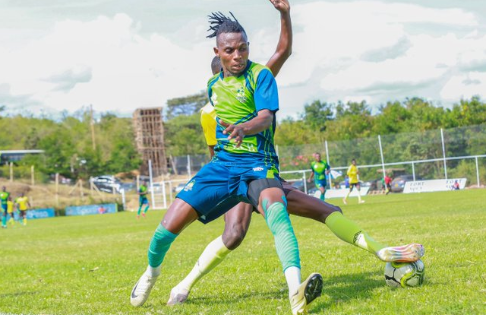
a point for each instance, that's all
(259, 70)
(213, 79)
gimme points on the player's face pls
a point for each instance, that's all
(233, 50)
(317, 156)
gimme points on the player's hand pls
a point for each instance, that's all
(282, 6)
(235, 132)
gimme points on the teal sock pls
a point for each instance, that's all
(323, 196)
(159, 245)
(139, 209)
(278, 221)
(146, 209)
(4, 220)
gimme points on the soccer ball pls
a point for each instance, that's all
(404, 274)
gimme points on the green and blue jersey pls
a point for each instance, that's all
(319, 169)
(237, 100)
(4, 197)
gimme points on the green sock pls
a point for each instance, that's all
(139, 209)
(323, 196)
(351, 233)
(146, 209)
(159, 245)
(278, 221)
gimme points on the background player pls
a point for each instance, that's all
(320, 170)
(142, 199)
(244, 167)
(23, 205)
(353, 174)
(11, 210)
(237, 220)
(4, 195)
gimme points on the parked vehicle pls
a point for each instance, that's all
(110, 184)
(398, 183)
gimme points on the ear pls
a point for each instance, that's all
(216, 51)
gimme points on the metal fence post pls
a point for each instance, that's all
(443, 152)
(382, 158)
(151, 183)
(477, 172)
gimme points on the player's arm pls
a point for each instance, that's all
(328, 169)
(211, 150)
(311, 176)
(261, 122)
(284, 46)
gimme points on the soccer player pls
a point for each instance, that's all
(388, 181)
(11, 210)
(23, 205)
(320, 169)
(245, 165)
(353, 173)
(237, 220)
(4, 195)
(142, 199)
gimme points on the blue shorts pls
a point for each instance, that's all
(219, 186)
(321, 183)
(4, 207)
(142, 200)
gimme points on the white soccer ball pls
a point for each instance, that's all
(404, 274)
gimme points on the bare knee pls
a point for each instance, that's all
(234, 236)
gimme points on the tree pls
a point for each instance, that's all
(187, 105)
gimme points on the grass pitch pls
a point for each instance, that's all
(88, 265)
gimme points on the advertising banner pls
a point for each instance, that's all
(434, 185)
(92, 209)
(40, 213)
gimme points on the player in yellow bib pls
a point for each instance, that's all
(23, 205)
(353, 174)
(11, 211)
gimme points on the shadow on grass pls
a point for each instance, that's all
(342, 288)
(339, 289)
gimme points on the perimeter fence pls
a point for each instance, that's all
(432, 154)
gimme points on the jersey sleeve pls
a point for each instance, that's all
(266, 92)
(208, 124)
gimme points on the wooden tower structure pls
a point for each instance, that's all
(149, 136)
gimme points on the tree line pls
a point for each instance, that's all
(70, 149)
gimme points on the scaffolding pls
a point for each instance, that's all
(149, 136)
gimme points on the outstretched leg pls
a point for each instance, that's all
(179, 215)
(307, 206)
(237, 222)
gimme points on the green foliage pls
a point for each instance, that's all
(68, 144)
(183, 136)
(187, 105)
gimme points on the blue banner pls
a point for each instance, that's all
(92, 209)
(40, 213)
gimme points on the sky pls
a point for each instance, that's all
(120, 55)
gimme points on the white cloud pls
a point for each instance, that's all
(106, 63)
(369, 50)
(380, 51)
(464, 86)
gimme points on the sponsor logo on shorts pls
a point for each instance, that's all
(258, 169)
(189, 185)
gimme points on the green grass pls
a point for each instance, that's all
(88, 265)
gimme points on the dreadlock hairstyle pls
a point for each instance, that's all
(219, 23)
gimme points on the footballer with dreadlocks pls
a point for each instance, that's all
(237, 220)
(245, 166)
